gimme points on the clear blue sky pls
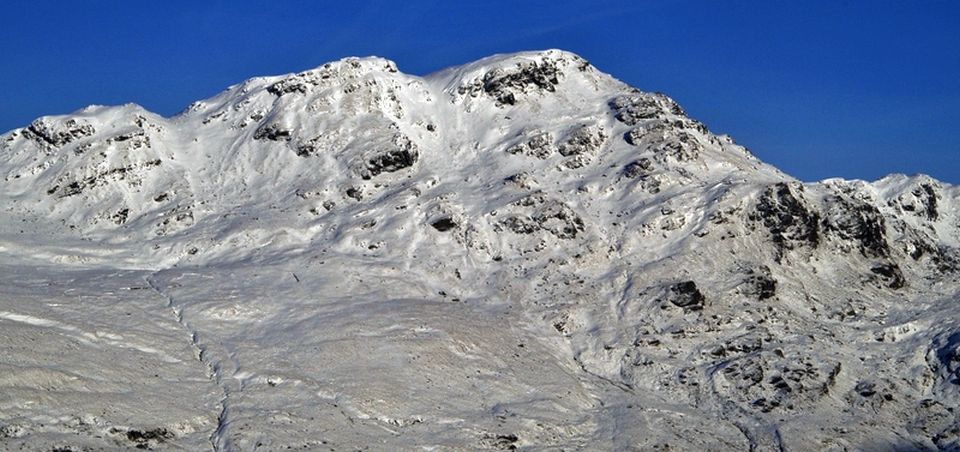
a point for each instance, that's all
(855, 89)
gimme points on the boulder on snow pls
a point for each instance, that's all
(685, 294)
(400, 153)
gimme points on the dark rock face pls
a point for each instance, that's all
(790, 222)
(48, 133)
(403, 154)
(922, 202)
(686, 295)
(504, 84)
(929, 196)
(858, 221)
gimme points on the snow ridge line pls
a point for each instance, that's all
(213, 371)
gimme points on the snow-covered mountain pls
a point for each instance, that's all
(521, 252)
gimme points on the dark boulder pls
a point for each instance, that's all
(272, 132)
(890, 273)
(686, 295)
(402, 153)
(638, 168)
(444, 224)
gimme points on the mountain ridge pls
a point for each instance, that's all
(525, 217)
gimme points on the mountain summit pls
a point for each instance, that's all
(519, 252)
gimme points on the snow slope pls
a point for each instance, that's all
(521, 252)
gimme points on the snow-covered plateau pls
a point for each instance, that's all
(518, 253)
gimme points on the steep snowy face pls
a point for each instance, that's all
(610, 271)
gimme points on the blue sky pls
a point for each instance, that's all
(854, 89)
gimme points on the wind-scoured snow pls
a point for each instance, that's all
(521, 252)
